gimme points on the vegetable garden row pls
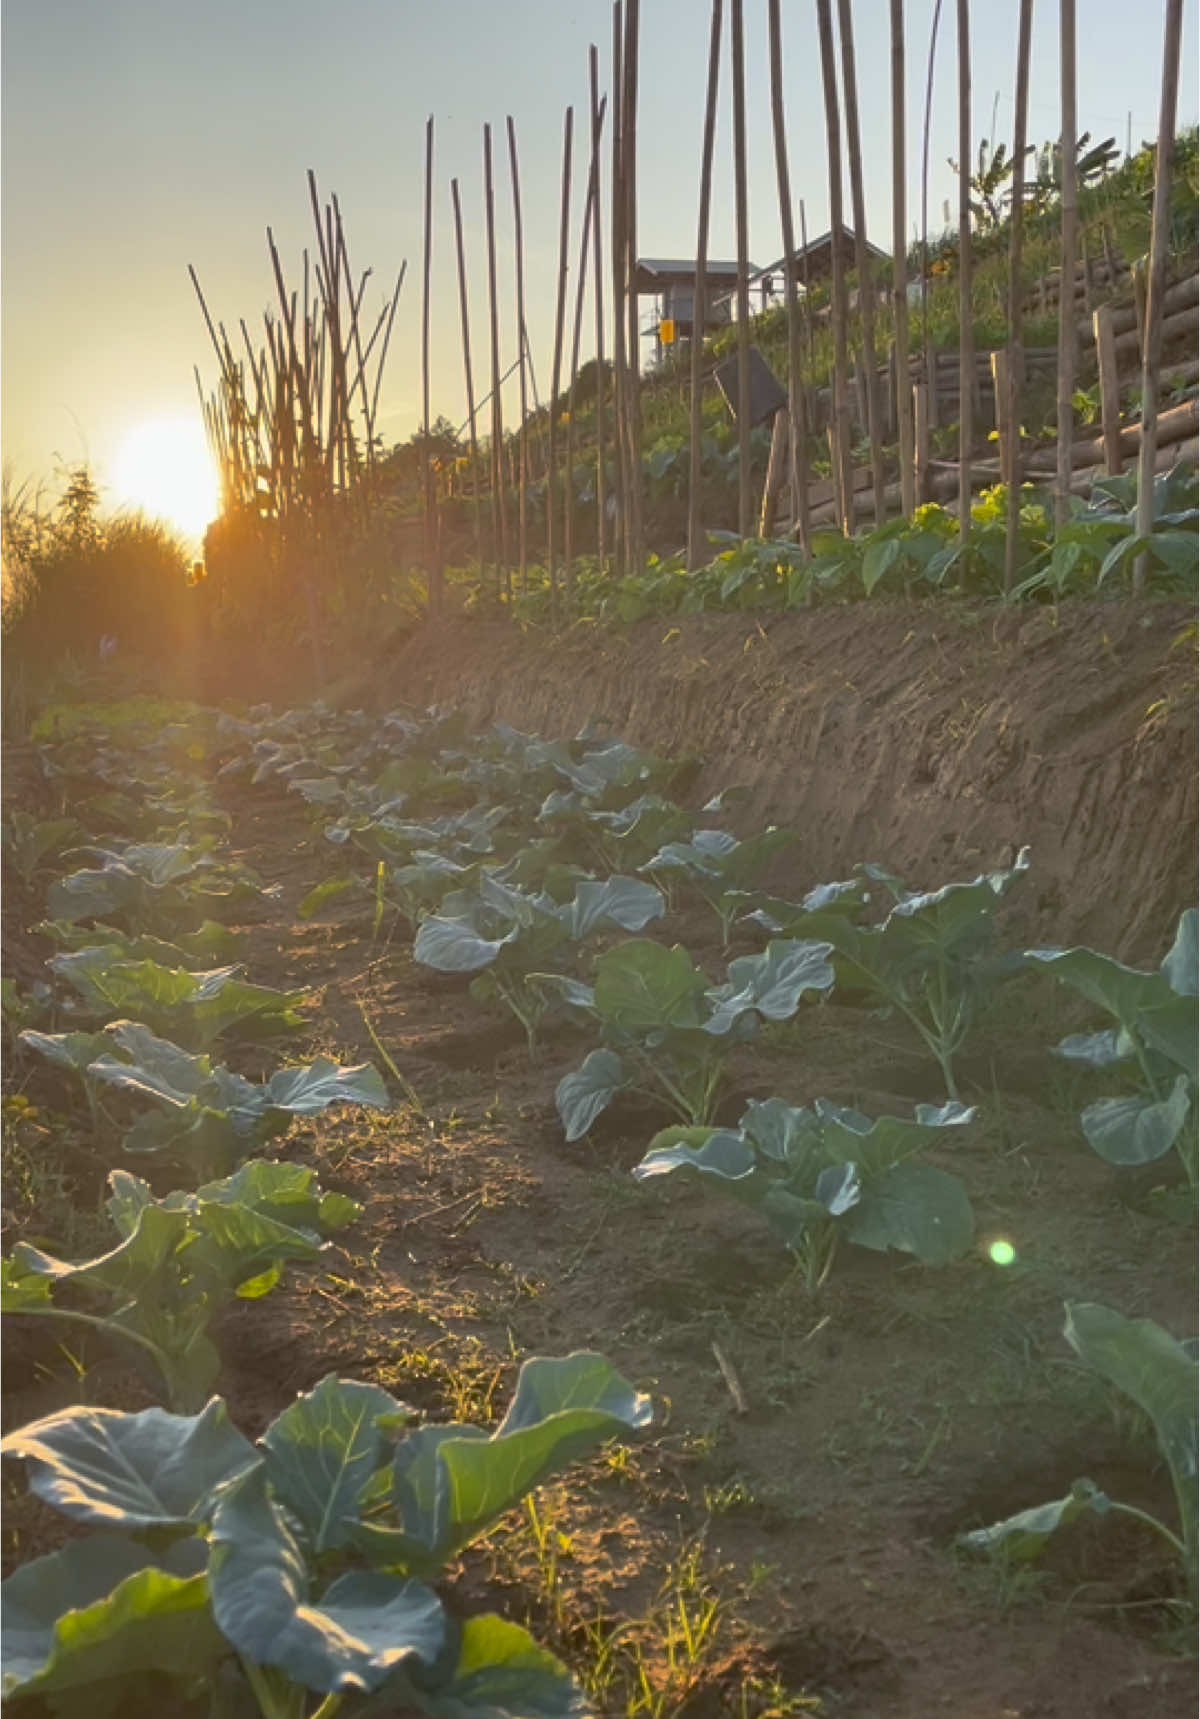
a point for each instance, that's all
(308, 1569)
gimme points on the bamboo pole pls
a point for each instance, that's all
(841, 404)
(966, 351)
(617, 258)
(899, 267)
(1110, 392)
(432, 565)
(556, 373)
(741, 198)
(1160, 224)
(808, 321)
(466, 340)
(930, 367)
(522, 351)
(1016, 355)
(797, 426)
(499, 509)
(1066, 304)
(921, 439)
(696, 544)
(598, 276)
(589, 216)
(862, 261)
(633, 395)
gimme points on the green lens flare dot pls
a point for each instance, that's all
(1001, 1252)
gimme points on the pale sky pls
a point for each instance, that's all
(143, 135)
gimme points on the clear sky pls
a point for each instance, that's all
(143, 135)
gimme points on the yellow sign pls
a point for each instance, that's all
(666, 331)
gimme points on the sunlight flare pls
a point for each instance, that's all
(165, 468)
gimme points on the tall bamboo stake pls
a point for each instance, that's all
(617, 258)
(862, 260)
(928, 362)
(598, 276)
(741, 196)
(695, 538)
(1152, 348)
(841, 403)
(1016, 355)
(589, 216)
(432, 559)
(466, 340)
(556, 374)
(904, 421)
(499, 510)
(966, 346)
(808, 321)
(797, 415)
(633, 395)
(522, 350)
(1066, 295)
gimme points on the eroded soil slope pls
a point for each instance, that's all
(935, 738)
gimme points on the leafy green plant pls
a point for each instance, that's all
(1155, 1040)
(511, 933)
(178, 1262)
(719, 867)
(1157, 1373)
(667, 1032)
(823, 1175)
(215, 1550)
(192, 1008)
(930, 959)
(29, 841)
(154, 886)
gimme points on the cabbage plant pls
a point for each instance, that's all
(178, 1262)
(829, 1174)
(193, 1008)
(719, 867)
(1154, 1043)
(1160, 1376)
(298, 1567)
(668, 1033)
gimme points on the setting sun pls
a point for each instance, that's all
(165, 468)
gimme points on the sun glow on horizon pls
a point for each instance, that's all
(165, 468)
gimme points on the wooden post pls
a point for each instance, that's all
(862, 261)
(589, 215)
(499, 508)
(777, 465)
(466, 339)
(797, 431)
(1016, 236)
(598, 275)
(966, 346)
(1140, 279)
(620, 433)
(1110, 391)
(1159, 232)
(921, 440)
(808, 321)
(929, 365)
(522, 350)
(900, 268)
(556, 372)
(696, 545)
(633, 396)
(841, 404)
(1066, 298)
(433, 569)
(1000, 389)
(741, 195)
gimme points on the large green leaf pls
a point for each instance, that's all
(1181, 964)
(192, 1007)
(134, 1471)
(878, 1143)
(1123, 991)
(323, 1450)
(502, 1673)
(68, 1050)
(454, 946)
(720, 1152)
(101, 1608)
(622, 901)
(365, 1628)
(771, 984)
(583, 1094)
(306, 1090)
(641, 986)
(561, 1409)
(915, 1209)
(1137, 1130)
(1022, 1537)
(1160, 1376)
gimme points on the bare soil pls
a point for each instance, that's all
(903, 1405)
